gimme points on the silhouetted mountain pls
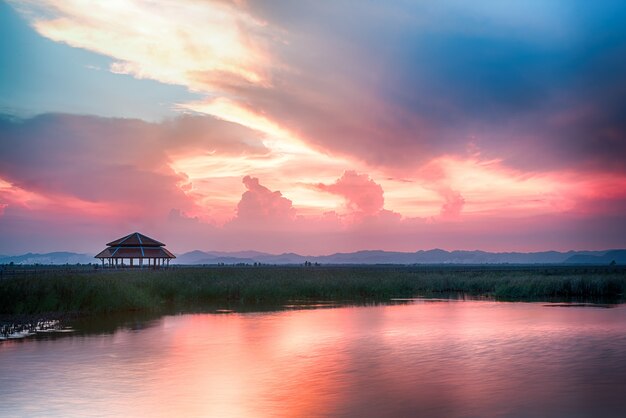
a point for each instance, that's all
(619, 256)
(435, 256)
(49, 258)
(192, 257)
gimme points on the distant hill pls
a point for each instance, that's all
(619, 256)
(57, 258)
(435, 256)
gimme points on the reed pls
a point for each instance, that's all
(145, 290)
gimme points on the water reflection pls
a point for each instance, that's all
(453, 359)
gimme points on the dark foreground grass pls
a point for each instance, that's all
(183, 288)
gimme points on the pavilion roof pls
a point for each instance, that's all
(135, 239)
(135, 252)
(135, 245)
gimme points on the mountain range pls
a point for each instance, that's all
(435, 256)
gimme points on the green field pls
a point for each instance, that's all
(61, 291)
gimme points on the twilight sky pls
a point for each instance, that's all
(313, 126)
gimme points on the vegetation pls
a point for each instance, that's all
(186, 288)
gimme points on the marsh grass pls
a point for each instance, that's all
(184, 288)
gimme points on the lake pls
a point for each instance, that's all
(426, 358)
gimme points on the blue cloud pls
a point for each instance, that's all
(38, 75)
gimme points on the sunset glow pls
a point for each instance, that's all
(313, 127)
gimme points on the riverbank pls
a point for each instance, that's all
(57, 293)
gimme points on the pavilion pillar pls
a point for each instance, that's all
(131, 262)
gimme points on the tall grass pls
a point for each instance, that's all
(183, 287)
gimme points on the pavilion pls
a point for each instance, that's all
(138, 247)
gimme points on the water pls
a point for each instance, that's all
(422, 359)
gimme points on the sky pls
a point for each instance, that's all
(313, 126)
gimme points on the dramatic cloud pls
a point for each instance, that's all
(111, 171)
(453, 205)
(111, 159)
(418, 86)
(65, 177)
(466, 117)
(362, 194)
(259, 204)
(171, 44)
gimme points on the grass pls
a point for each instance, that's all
(183, 288)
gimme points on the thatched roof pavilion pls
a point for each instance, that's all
(135, 246)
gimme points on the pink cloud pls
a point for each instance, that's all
(260, 204)
(118, 178)
(362, 194)
(453, 204)
(122, 163)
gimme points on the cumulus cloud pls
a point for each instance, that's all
(118, 168)
(541, 108)
(453, 204)
(362, 194)
(259, 204)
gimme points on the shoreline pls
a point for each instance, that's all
(62, 296)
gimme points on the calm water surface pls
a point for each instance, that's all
(423, 359)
